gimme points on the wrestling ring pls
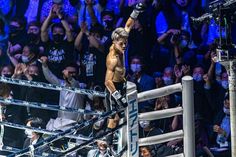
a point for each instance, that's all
(128, 141)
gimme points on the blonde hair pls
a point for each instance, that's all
(119, 33)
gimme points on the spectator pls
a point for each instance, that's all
(29, 55)
(143, 81)
(92, 54)
(57, 50)
(33, 35)
(34, 137)
(158, 79)
(17, 31)
(67, 99)
(101, 151)
(222, 131)
(7, 71)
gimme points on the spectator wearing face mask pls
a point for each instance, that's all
(221, 130)
(149, 129)
(168, 76)
(7, 71)
(92, 53)
(34, 137)
(200, 103)
(102, 150)
(58, 50)
(29, 55)
(17, 31)
(33, 35)
(143, 81)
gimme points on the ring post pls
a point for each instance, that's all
(132, 121)
(188, 116)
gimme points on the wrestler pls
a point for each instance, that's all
(115, 75)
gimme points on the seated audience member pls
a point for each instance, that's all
(221, 129)
(102, 150)
(34, 137)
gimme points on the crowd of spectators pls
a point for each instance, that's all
(65, 42)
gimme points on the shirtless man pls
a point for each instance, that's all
(115, 74)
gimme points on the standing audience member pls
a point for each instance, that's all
(68, 99)
(58, 50)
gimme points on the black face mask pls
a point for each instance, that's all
(32, 37)
(58, 37)
(14, 30)
(7, 75)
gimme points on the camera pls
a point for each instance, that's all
(226, 54)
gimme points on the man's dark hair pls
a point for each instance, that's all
(137, 57)
(33, 48)
(58, 25)
(20, 20)
(35, 122)
(97, 29)
(34, 23)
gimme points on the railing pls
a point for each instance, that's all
(187, 110)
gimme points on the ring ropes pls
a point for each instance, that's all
(62, 134)
(51, 86)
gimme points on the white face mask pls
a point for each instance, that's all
(29, 133)
(197, 77)
(167, 80)
(225, 84)
(226, 111)
(144, 123)
(25, 59)
(135, 67)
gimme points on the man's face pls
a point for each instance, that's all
(72, 70)
(33, 70)
(58, 30)
(120, 45)
(33, 29)
(198, 70)
(182, 3)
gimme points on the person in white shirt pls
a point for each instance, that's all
(67, 99)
